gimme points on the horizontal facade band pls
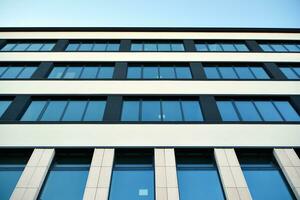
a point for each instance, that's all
(148, 35)
(149, 135)
(150, 56)
(74, 87)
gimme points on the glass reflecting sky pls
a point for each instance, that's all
(154, 13)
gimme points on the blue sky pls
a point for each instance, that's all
(151, 13)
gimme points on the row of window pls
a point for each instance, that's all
(197, 174)
(151, 71)
(157, 109)
(153, 46)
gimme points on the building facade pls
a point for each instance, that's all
(149, 113)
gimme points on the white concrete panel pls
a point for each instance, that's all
(167, 135)
(150, 87)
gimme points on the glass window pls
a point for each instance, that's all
(3, 106)
(191, 111)
(47, 47)
(166, 73)
(12, 164)
(177, 47)
(278, 47)
(164, 47)
(93, 46)
(227, 73)
(264, 178)
(183, 73)
(2, 70)
(247, 111)
(74, 111)
(244, 73)
(228, 47)
(150, 73)
(292, 47)
(113, 47)
(12, 72)
(67, 177)
(289, 72)
(94, 111)
(21, 47)
(106, 72)
(99, 47)
(211, 73)
(268, 111)
(85, 47)
(35, 47)
(130, 111)
(27, 72)
(136, 167)
(259, 73)
(150, 47)
(28, 46)
(171, 111)
(8, 47)
(151, 111)
(57, 72)
(73, 72)
(198, 176)
(134, 73)
(137, 47)
(241, 47)
(33, 112)
(72, 47)
(201, 47)
(287, 111)
(157, 46)
(54, 111)
(214, 47)
(89, 72)
(266, 47)
(227, 111)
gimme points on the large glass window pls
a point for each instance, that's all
(235, 71)
(280, 46)
(93, 46)
(16, 72)
(97, 71)
(148, 71)
(198, 176)
(257, 110)
(12, 164)
(161, 110)
(28, 46)
(290, 71)
(263, 176)
(221, 46)
(3, 106)
(158, 46)
(133, 175)
(65, 110)
(67, 176)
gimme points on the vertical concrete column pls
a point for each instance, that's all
(97, 186)
(290, 165)
(166, 185)
(232, 177)
(32, 178)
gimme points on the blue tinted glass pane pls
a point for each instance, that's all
(72, 47)
(85, 47)
(2, 70)
(211, 73)
(227, 73)
(259, 73)
(267, 111)
(241, 47)
(227, 111)
(130, 111)
(57, 72)
(167, 72)
(8, 47)
(74, 111)
(137, 47)
(191, 111)
(199, 182)
(35, 47)
(297, 70)
(33, 111)
(247, 111)
(151, 111)
(106, 72)
(177, 47)
(89, 72)
(244, 73)
(228, 47)
(47, 47)
(289, 73)
(27, 72)
(99, 47)
(9, 176)
(164, 47)
(171, 111)
(258, 180)
(112, 47)
(150, 73)
(94, 111)
(214, 47)
(21, 47)
(134, 72)
(183, 73)
(73, 72)
(150, 47)
(292, 47)
(12, 72)
(54, 111)
(201, 47)
(65, 181)
(3, 106)
(265, 47)
(278, 47)
(287, 111)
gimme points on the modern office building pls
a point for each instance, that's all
(149, 113)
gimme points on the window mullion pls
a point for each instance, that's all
(236, 110)
(85, 109)
(277, 110)
(23, 68)
(64, 110)
(43, 110)
(4, 71)
(260, 115)
(181, 109)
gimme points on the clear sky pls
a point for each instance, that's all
(151, 13)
